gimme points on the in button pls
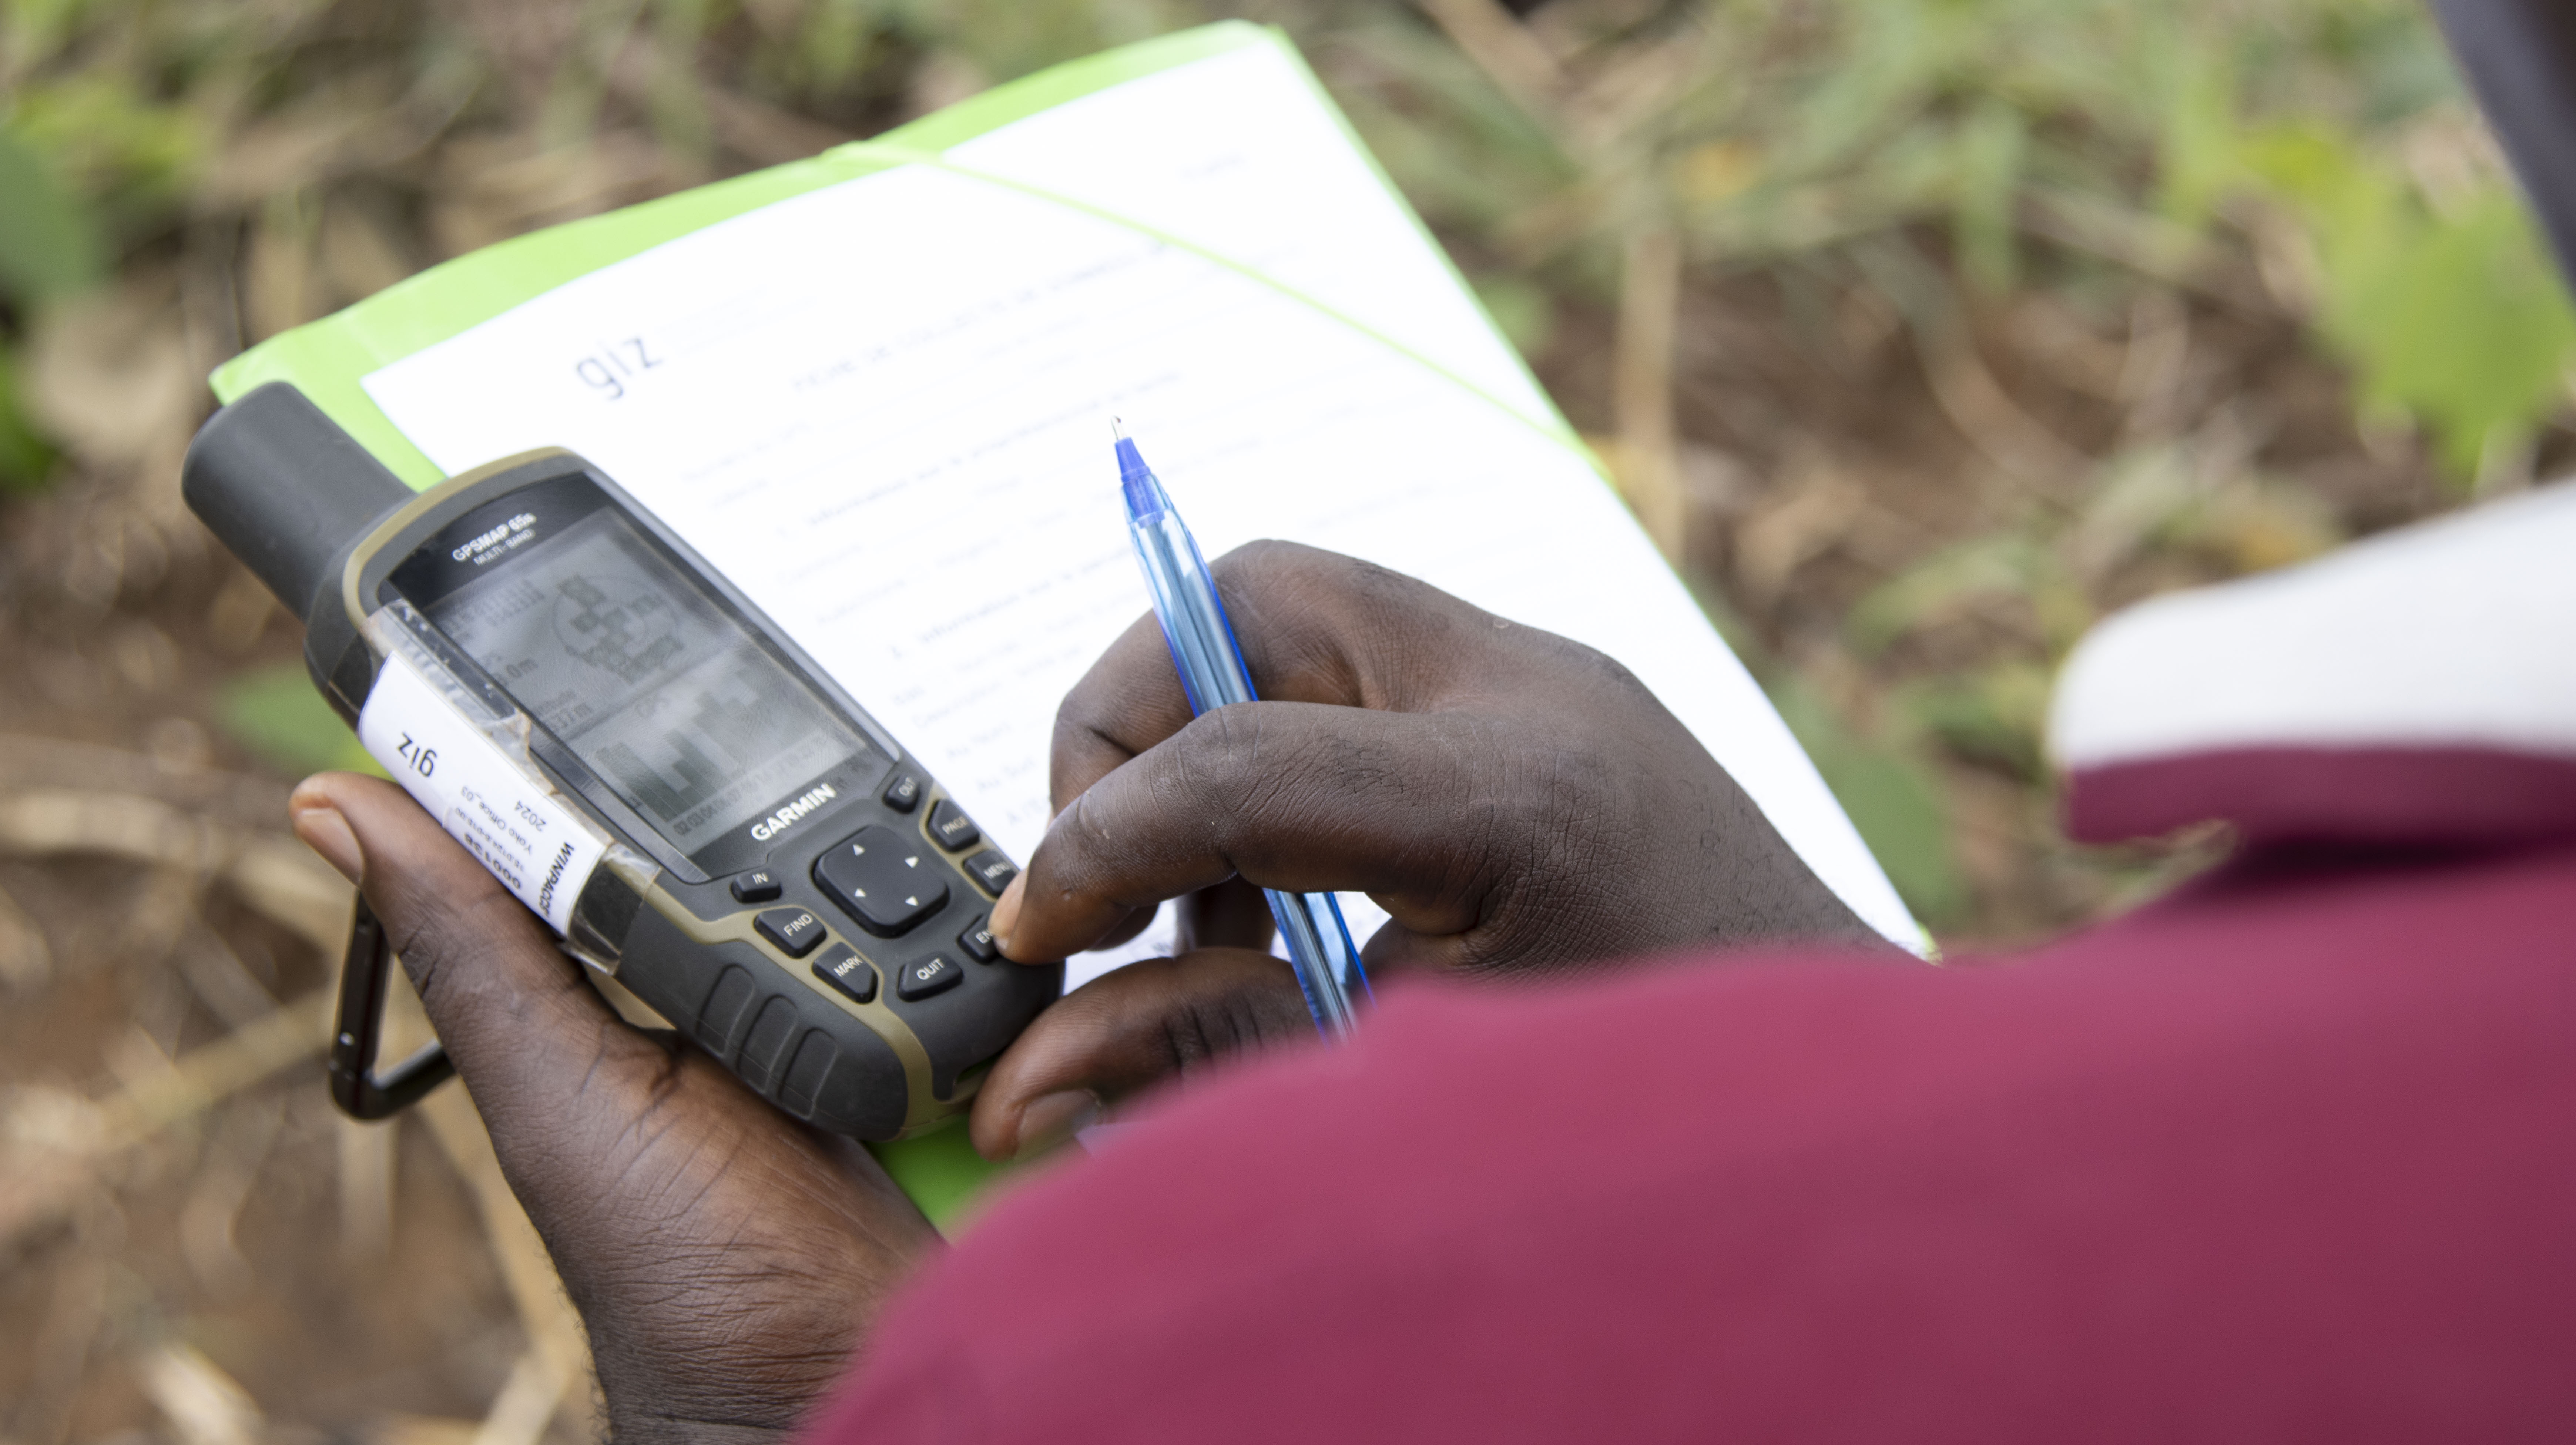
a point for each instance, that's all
(758, 886)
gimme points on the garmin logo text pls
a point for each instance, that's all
(778, 822)
(554, 875)
(494, 538)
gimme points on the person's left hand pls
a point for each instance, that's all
(727, 1260)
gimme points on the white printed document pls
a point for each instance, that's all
(882, 408)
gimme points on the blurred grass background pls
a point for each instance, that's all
(1920, 334)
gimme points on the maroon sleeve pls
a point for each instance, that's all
(2292, 1157)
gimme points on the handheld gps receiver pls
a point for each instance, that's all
(700, 813)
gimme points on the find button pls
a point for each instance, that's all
(795, 930)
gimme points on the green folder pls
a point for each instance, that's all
(327, 358)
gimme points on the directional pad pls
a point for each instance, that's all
(888, 882)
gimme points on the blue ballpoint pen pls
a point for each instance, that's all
(1213, 675)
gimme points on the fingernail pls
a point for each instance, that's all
(327, 833)
(1006, 912)
(1050, 1119)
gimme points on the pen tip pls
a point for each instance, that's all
(1117, 429)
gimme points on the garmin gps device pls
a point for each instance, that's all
(704, 817)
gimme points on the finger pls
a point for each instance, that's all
(510, 1009)
(1123, 931)
(1125, 1030)
(1298, 797)
(1233, 914)
(1128, 701)
(1314, 626)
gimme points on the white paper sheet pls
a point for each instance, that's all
(882, 409)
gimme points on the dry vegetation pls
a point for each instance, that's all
(1921, 334)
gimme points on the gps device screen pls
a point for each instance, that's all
(656, 688)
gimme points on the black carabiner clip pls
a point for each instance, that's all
(360, 1092)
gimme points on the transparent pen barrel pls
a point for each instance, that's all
(1201, 638)
(1193, 617)
(1312, 925)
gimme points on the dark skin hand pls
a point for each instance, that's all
(1519, 803)
(725, 1258)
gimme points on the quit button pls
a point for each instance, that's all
(936, 974)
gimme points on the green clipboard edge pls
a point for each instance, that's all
(940, 1171)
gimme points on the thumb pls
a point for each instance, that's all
(511, 1009)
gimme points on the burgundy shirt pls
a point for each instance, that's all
(2291, 1157)
(2288, 1156)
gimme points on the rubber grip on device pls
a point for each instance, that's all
(286, 490)
(778, 1036)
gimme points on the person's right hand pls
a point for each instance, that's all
(1515, 801)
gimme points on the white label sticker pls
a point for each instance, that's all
(538, 848)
